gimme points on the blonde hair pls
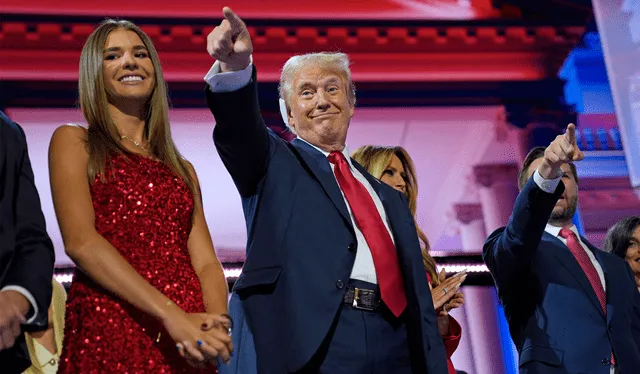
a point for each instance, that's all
(103, 138)
(376, 159)
(58, 301)
(332, 60)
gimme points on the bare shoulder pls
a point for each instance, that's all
(69, 138)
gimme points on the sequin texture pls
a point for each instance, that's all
(145, 212)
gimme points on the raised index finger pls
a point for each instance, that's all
(234, 21)
(571, 134)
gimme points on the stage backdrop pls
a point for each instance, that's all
(619, 27)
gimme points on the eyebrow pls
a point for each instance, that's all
(116, 49)
(331, 80)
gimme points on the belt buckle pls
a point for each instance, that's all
(364, 293)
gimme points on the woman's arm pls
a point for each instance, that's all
(204, 260)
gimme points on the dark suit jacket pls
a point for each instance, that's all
(26, 252)
(555, 319)
(301, 243)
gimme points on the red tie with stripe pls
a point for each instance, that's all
(588, 268)
(367, 217)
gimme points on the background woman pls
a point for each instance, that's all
(130, 213)
(45, 346)
(393, 166)
(623, 239)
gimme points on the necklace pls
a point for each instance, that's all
(137, 144)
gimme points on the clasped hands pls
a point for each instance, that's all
(446, 295)
(200, 337)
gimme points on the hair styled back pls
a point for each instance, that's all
(375, 159)
(103, 138)
(338, 62)
(619, 236)
(534, 154)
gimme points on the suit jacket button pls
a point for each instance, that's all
(610, 328)
(606, 361)
(351, 248)
(339, 284)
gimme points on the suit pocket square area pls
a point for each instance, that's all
(545, 355)
(257, 279)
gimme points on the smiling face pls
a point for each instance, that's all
(320, 109)
(632, 255)
(127, 69)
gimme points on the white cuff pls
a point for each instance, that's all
(548, 185)
(23, 291)
(228, 81)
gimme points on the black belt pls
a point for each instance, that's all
(361, 298)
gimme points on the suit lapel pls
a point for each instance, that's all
(603, 260)
(566, 258)
(319, 166)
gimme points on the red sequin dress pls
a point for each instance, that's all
(144, 211)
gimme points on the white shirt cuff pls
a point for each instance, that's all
(228, 81)
(548, 185)
(28, 296)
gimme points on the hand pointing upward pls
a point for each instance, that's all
(230, 42)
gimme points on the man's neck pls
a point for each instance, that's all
(561, 224)
(324, 147)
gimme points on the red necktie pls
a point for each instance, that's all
(587, 266)
(367, 217)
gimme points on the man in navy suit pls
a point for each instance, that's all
(333, 280)
(568, 304)
(26, 252)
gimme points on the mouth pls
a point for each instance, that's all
(131, 78)
(324, 115)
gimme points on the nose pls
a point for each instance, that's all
(322, 102)
(128, 61)
(399, 182)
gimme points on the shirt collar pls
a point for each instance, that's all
(555, 230)
(345, 152)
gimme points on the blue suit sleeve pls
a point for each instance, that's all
(240, 135)
(508, 251)
(33, 260)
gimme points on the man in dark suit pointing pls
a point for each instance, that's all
(567, 303)
(333, 280)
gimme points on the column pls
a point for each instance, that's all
(472, 232)
(497, 189)
(471, 223)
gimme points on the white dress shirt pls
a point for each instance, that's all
(363, 267)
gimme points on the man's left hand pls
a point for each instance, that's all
(13, 308)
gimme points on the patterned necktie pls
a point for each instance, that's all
(367, 217)
(589, 270)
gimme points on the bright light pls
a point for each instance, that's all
(229, 273)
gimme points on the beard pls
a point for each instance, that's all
(565, 214)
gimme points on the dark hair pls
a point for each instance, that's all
(619, 236)
(534, 154)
